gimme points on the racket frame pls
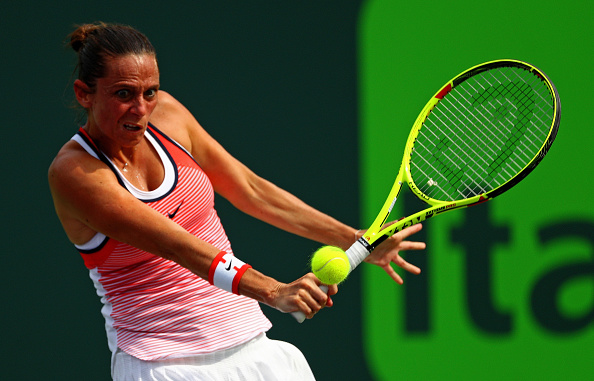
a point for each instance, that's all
(377, 232)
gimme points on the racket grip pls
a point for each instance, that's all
(300, 316)
(357, 253)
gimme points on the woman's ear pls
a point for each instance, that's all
(83, 93)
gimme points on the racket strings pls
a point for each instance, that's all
(482, 133)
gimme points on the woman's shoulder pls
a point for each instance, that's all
(170, 116)
(167, 108)
(72, 163)
(174, 119)
(71, 152)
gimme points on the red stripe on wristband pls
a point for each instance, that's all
(213, 266)
(238, 276)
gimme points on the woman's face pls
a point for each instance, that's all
(120, 108)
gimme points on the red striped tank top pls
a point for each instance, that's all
(153, 307)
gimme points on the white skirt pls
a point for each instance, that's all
(260, 359)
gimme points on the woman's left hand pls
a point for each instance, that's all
(388, 252)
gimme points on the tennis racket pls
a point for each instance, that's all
(478, 136)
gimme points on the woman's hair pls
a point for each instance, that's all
(96, 43)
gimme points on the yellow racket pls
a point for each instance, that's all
(477, 137)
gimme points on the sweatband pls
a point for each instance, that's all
(226, 271)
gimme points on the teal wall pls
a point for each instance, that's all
(270, 80)
(281, 86)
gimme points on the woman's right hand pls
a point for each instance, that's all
(303, 295)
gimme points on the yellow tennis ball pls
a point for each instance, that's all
(330, 264)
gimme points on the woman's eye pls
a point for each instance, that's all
(123, 94)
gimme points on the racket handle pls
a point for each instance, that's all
(300, 316)
(357, 252)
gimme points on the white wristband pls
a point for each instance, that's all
(226, 271)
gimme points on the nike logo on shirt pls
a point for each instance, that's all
(171, 215)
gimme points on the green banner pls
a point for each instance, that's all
(507, 289)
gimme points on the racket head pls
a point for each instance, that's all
(482, 133)
(510, 112)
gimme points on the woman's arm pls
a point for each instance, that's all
(247, 191)
(261, 199)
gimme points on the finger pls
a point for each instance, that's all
(317, 297)
(304, 308)
(320, 298)
(406, 265)
(315, 308)
(393, 274)
(308, 306)
(332, 289)
(321, 292)
(410, 245)
(407, 232)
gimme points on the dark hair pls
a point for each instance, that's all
(95, 43)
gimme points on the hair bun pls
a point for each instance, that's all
(79, 37)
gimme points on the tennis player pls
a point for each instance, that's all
(134, 190)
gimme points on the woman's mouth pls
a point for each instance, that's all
(132, 127)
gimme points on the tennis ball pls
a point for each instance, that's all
(330, 264)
